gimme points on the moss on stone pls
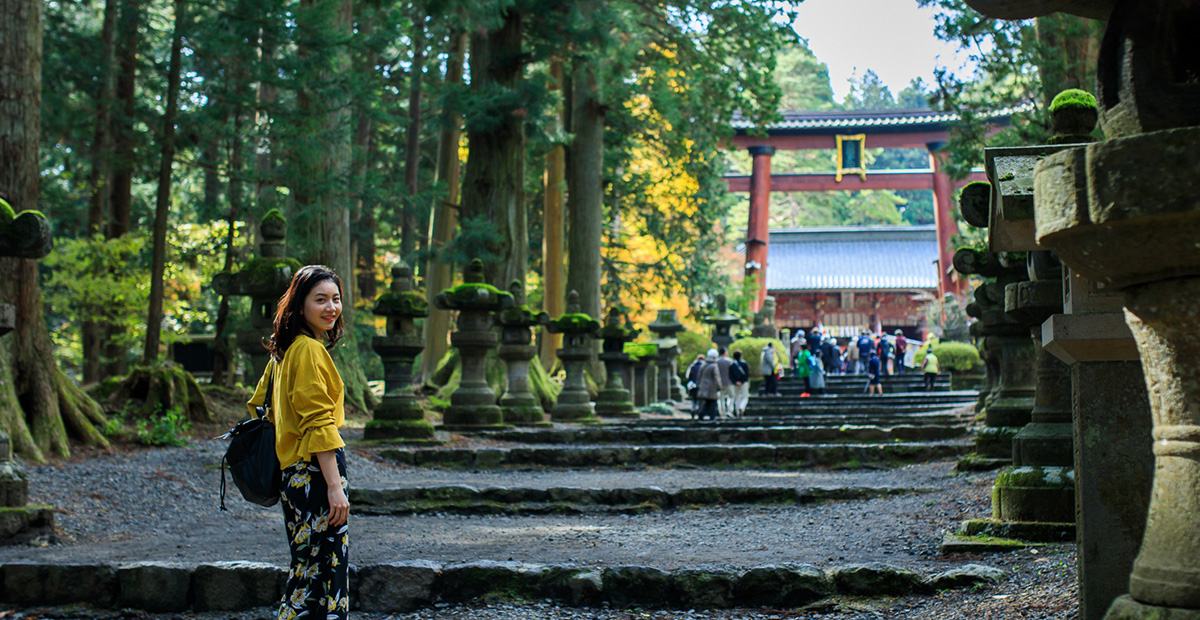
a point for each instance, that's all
(522, 315)
(576, 323)
(6, 211)
(407, 303)
(640, 350)
(1033, 477)
(1073, 97)
(274, 217)
(261, 271)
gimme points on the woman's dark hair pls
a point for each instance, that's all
(289, 314)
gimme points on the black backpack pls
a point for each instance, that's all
(739, 372)
(251, 457)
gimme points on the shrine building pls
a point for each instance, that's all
(847, 278)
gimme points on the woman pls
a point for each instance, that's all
(710, 386)
(766, 366)
(307, 408)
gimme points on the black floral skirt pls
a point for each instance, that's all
(318, 584)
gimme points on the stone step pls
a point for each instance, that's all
(941, 416)
(746, 456)
(727, 435)
(523, 501)
(407, 585)
(809, 415)
(894, 398)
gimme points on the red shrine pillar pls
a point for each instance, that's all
(943, 195)
(757, 229)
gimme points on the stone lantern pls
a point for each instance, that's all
(473, 405)
(519, 404)
(1124, 213)
(722, 321)
(399, 415)
(574, 402)
(665, 327)
(264, 279)
(24, 235)
(614, 399)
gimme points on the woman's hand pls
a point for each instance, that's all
(339, 506)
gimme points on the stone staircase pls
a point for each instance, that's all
(846, 400)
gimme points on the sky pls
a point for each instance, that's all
(892, 37)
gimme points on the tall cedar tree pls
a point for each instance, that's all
(39, 406)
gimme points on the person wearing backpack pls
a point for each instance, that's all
(307, 409)
(804, 364)
(816, 378)
(739, 375)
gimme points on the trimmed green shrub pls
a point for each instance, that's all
(751, 349)
(953, 356)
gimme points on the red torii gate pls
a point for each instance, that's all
(825, 130)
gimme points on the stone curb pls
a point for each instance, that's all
(466, 499)
(745, 456)
(774, 435)
(405, 586)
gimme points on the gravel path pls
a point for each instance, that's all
(161, 504)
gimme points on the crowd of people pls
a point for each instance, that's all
(719, 384)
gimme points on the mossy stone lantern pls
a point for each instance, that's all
(263, 279)
(614, 399)
(666, 326)
(473, 405)
(518, 404)
(24, 235)
(574, 403)
(399, 415)
(722, 322)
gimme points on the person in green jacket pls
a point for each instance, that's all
(931, 368)
(803, 369)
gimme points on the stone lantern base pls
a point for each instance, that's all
(16, 517)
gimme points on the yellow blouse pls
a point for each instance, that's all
(307, 401)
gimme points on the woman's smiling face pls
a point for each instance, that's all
(322, 307)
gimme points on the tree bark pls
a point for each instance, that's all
(1069, 48)
(162, 206)
(121, 197)
(101, 176)
(39, 405)
(553, 260)
(223, 351)
(364, 156)
(322, 161)
(445, 216)
(412, 154)
(585, 193)
(494, 180)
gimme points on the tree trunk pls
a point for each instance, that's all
(493, 192)
(412, 154)
(121, 197)
(1069, 48)
(445, 216)
(101, 176)
(322, 161)
(39, 405)
(223, 351)
(162, 206)
(585, 193)
(364, 157)
(554, 268)
(264, 160)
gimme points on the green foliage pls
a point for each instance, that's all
(160, 429)
(639, 350)
(691, 344)
(954, 356)
(751, 349)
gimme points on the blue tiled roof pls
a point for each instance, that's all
(868, 120)
(852, 258)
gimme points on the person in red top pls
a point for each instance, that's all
(901, 348)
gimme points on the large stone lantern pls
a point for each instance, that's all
(665, 327)
(519, 404)
(578, 329)
(263, 279)
(399, 415)
(473, 405)
(614, 399)
(722, 321)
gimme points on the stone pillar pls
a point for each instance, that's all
(519, 404)
(473, 405)
(758, 229)
(399, 414)
(578, 330)
(263, 279)
(1135, 230)
(722, 321)
(614, 400)
(665, 327)
(1114, 463)
(644, 387)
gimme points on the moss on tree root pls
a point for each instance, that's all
(155, 390)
